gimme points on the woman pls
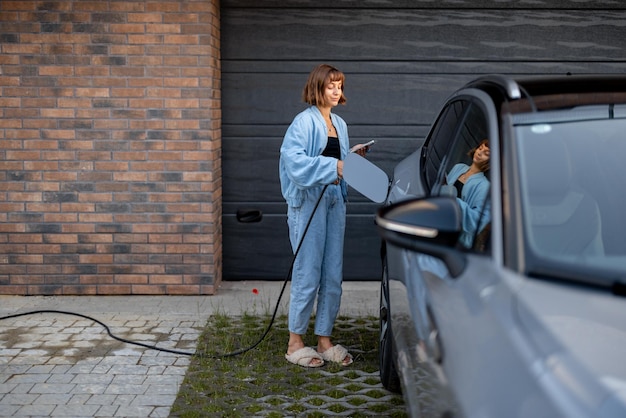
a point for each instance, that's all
(472, 191)
(311, 157)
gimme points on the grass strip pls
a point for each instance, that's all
(262, 383)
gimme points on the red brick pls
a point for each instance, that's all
(145, 17)
(93, 71)
(181, 82)
(163, 92)
(20, 49)
(92, 92)
(125, 176)
(182, 124)
(97, 217)
(127, 28)
(145, 39)
(163, 28)
(39, 38)
(76, 207)
(96, 258)
(147, 124)
(42, 187)
(150, 289)
(146, 103)
(43, 207)
(106, 113)
(145, 82)
(168, 279)
(127, 92)
(92, 6)
(127, 50)
(60, 217)
(61, 238)
(110, 124)
(58, 133)
(111, 166)
(95, 197)
(145, 60)
(25, 238)
(78, 228)
(115, 289)
(182, 103)
(163, 49)
(73, 102)
(56, 70)
(10, 123)
(57, 113)
(43, 248)
(181, 18)
(20, 155)
(163, 6)
(96, 114)
(164, 238)
(80, 290)
(59, 176)
(180, 39)
(128, 71)
(127, 6)
(10, 102)
(148, 248)
(166, 72)
(89, 279)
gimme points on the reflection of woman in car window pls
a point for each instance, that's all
(472, 191)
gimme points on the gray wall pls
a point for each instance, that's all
(402, 59)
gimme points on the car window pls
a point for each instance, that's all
(437, 144)
(465, 174)
(571, 165)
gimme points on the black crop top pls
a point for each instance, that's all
(332, 148)
(459, 188)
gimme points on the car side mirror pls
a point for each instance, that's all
(430, 226)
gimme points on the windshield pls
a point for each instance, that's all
(573, 192)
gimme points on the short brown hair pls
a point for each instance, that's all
(321, 75)
(484, 166)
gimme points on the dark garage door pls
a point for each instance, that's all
(401, 62)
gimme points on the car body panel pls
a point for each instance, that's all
(496, 340)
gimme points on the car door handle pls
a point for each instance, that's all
(249, 215)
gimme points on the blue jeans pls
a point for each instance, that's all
(318, 269)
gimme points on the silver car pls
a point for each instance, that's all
(526, 316)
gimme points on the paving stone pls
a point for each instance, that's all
(56, 365)
(35, 411)
(108, 411)
(74, 410)
(8, 410)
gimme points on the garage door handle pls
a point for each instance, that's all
(249, 215)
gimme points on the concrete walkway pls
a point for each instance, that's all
(58, 365)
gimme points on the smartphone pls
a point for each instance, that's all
(359, 146)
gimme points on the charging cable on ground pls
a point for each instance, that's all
(187, 353)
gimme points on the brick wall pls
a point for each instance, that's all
(110, 142)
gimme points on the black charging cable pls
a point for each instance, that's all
(187, 353)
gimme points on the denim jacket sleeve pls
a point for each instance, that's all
(475, 206)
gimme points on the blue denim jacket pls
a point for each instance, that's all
(474, 201)
(301, 164)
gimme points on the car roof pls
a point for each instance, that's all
(524, 94)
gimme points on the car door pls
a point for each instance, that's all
(444, 307)
(409, 274)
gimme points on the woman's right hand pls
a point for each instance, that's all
(339, 169)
